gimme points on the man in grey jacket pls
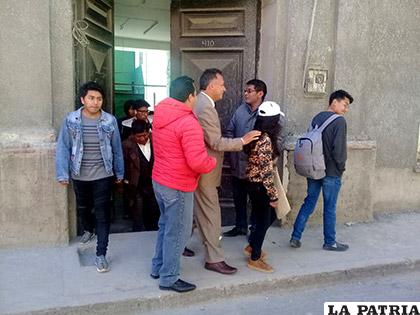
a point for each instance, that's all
(242, 121)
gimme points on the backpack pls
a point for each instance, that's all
(308, 156)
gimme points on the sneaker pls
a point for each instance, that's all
(337, 247)
(86, 237)
(248, 252)
(260, 265)
(101, 264)
(294, 243)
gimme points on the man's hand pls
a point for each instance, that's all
(119, 186)
(64, 182)
(273, 204)
(251, 136)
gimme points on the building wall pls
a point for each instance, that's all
(385, 70)
(36, 89)
(371, 49)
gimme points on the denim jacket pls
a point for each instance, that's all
(69, 149)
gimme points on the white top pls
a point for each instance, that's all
(211, 100)
(127, 122)
(145, 148)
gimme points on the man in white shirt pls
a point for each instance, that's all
(138, 158)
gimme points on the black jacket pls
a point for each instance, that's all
(334, 142)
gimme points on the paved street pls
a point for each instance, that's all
(403, 287)
(63, 280)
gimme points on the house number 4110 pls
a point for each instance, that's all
(207, 43)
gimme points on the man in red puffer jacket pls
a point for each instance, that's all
(180, 158)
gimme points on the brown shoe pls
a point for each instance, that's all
(221, 267)
(188, 252)
(260, 265)
(248, 252)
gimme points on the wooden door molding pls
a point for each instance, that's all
(212, 22)
(94, 61)
(215, 34)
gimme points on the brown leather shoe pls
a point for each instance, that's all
(221, 267)
(188, 252)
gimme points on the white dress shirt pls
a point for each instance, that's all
(145, 148)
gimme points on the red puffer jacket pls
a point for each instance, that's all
(179, 150)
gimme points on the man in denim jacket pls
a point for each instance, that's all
(89, 152)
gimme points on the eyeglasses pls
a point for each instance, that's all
(249, 91)
(142, 110)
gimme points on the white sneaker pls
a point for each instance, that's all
(86, 237)
(101, 264)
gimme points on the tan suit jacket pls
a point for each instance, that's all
(215, 143)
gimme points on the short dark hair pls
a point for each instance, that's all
(141, 103)
(339, 95)
(91, 86)
(259, 86)
(139, 126)
(207, 76)
(181, 88)
(127, 105)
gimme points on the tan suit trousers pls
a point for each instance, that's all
(209, 222)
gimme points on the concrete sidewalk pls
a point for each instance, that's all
(57, 281)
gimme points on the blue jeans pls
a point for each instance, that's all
(330, 188)
(175, 224)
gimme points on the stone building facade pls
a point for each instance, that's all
(304, 50)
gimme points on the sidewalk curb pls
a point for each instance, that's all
(172, 299)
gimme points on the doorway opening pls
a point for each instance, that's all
(141, 70)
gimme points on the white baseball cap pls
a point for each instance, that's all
(269, 108)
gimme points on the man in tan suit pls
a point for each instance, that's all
(206, 200)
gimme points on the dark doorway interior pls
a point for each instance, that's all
(141, 69)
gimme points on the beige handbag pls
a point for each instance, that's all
(283, 206)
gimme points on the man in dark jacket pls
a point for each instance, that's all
(138, 161)
(334, 141)
(242, 121)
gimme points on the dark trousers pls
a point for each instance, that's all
(240, 200)
(144, 209)
(263, 215)
(93, 200)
